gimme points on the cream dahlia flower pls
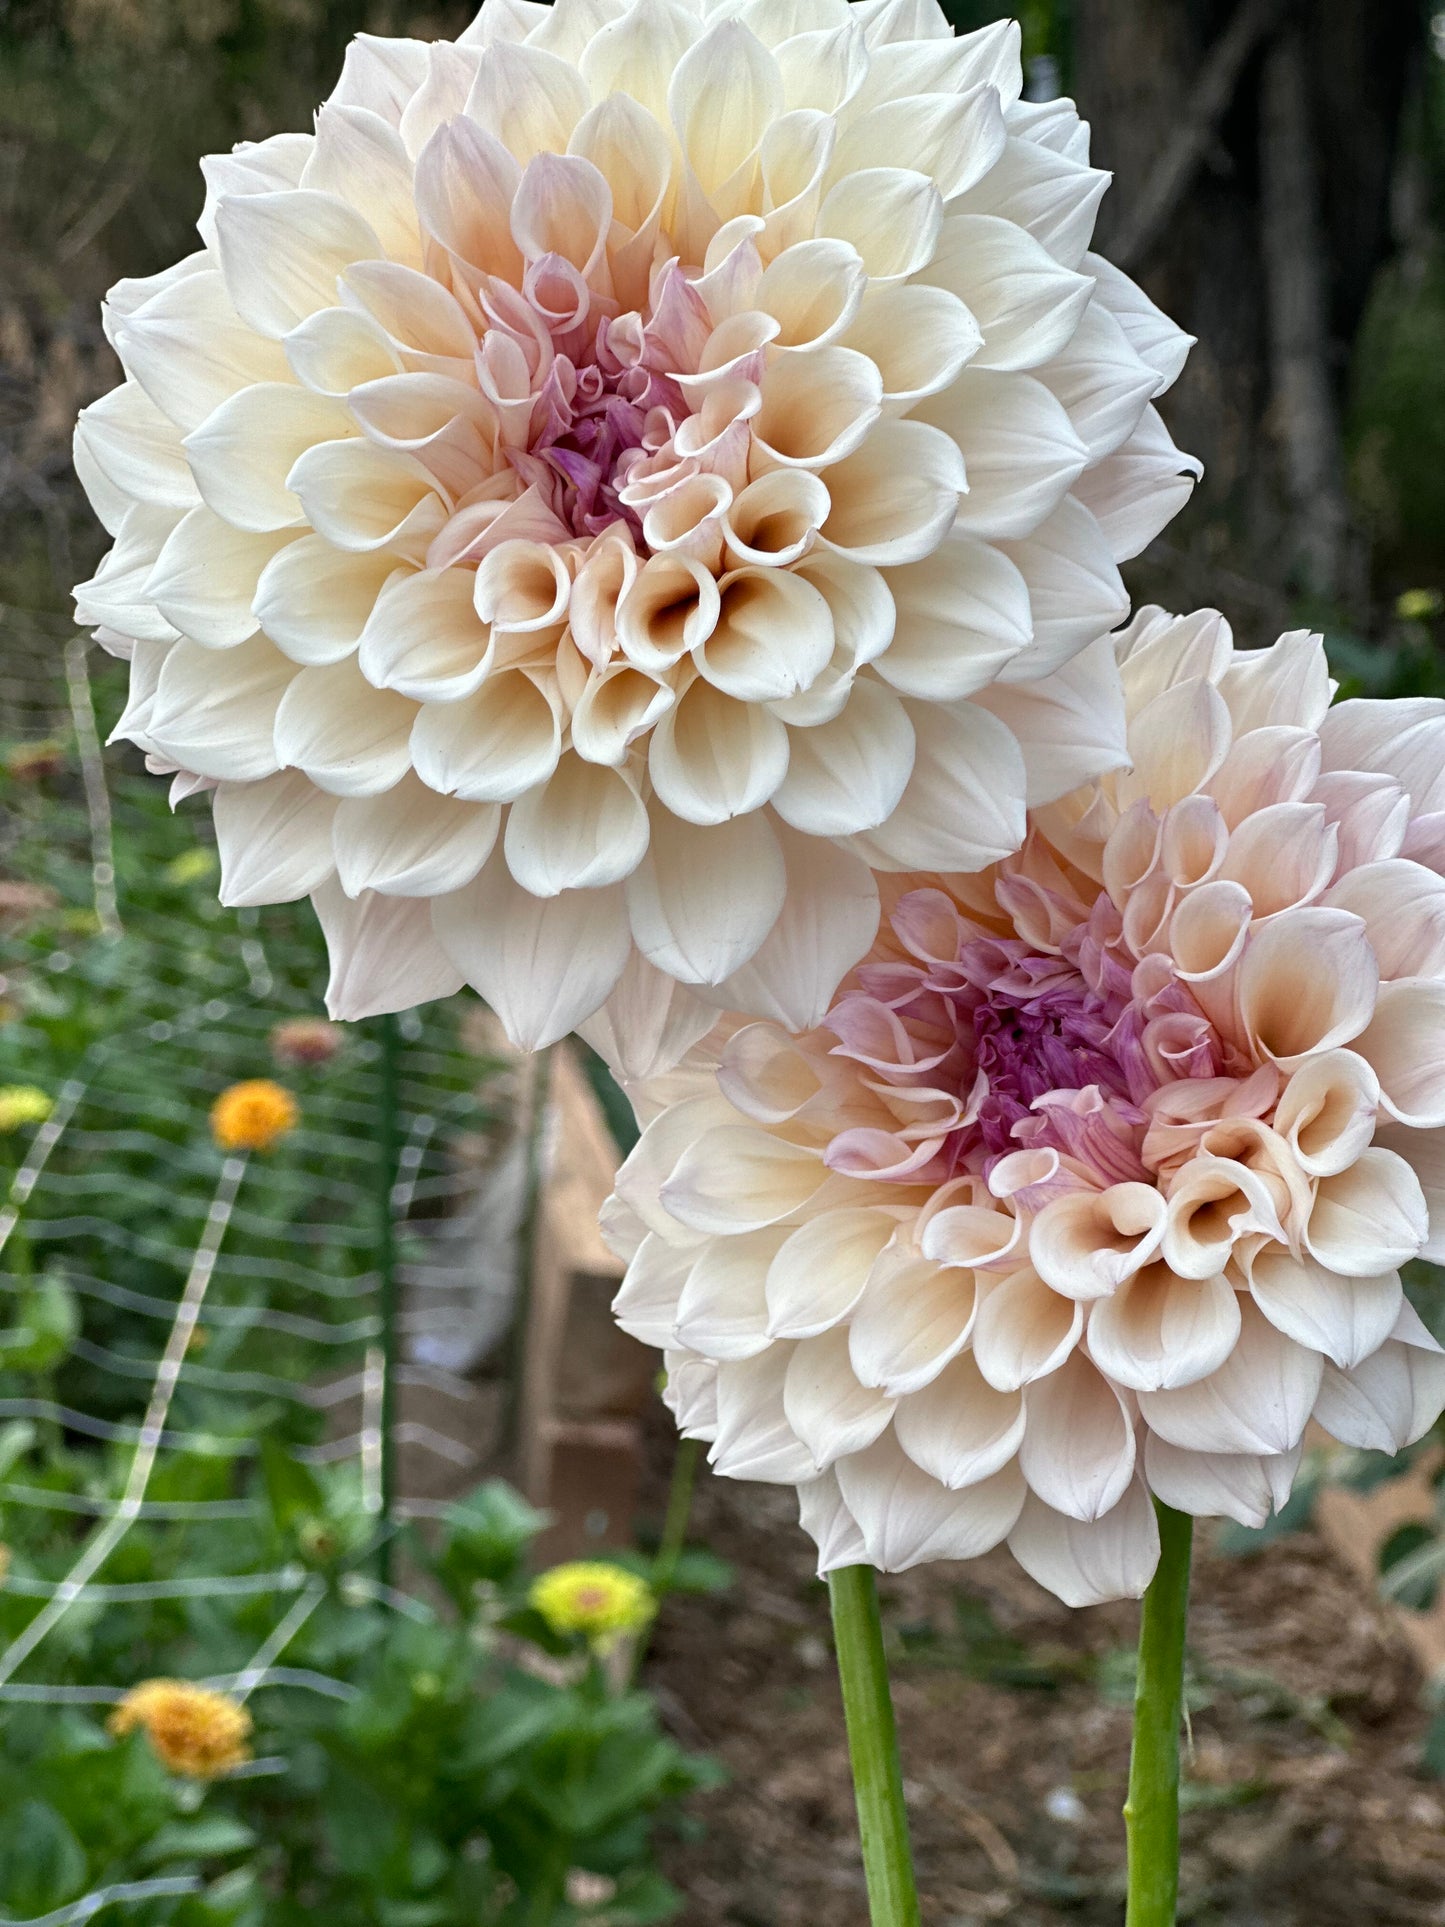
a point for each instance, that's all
(1097, 1177)
(627, 476)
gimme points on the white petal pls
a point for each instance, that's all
(274, 838)
(411, 842)
(349, 738)
(908, 1519)
(820, 1270)
(1404, 1043)
(960, 1430)
(647, 1024)
(825, 1405)
(722, 1312)
(1077, 1451)
(1370, 1218)
(963, 613)
(754, 1439)
(1159, 1330)
(964, 805)
(912, 1319)
(703, 899)
(830, 1525)
(646, 1304)
(1307, 982)
(1085, 1564)
(737, 1179)
(1075, 590)
(242, 454)
(314, 601)
(1020, 451)
(1025, 304)
(584, 827)
(221, 725)
(542, 964)
(205, 578)
(1259, 1401)
(383, 954)
(1024, 1330)
(1070, 725)
(493, 746)
(1345, 1318)
(1209, 1485)
(281, 254)
(1387, 1402)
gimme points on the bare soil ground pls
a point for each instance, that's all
(1306, 1803)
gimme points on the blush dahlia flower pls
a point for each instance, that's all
(1096, 1178)
(626, 477)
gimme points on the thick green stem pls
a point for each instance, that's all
(679, 1511)
(873, 1745)
(388, 1147)
(1151, 1812)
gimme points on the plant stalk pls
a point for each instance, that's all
(1151, 1812)
(388, 1148)
(873, 1747)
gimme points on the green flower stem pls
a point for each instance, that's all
(679, 1511)
(873, 1745)
(388, 1145)
(1151, 1812)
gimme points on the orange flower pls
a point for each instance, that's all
(193, 1730)
(253, 1116)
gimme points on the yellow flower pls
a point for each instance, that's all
(590, 1597)
(192, 1729)
(191, 866)
(22, 1104)
(1419, 605)
(252, 1116)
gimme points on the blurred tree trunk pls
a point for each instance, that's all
(1253, 145)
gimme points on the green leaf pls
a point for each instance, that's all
(16, 1439)
(42, 1864)
(46, 1321)
(1412, 1563)
(210, 1837)
(484, 1537)
(499, 1727)
(292, 1489)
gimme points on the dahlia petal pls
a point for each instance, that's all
(824, 1403)
(1020, 451)
(465, 184)
(817, 407)
(527, 99)
(813, 290)
(383, 955)
(1023, 1330)
(775, 520)
(953, 138)
(1424, 1152)
(1085, 1564)
(907, 1519)
(441, 96)
(360, 497)
(619, 705)
(1026, 306)
(848, 774)
(1215, 1202)
(963, 806)
(754, 1439)
(381, 74)
(736, 1179)
(1102, 384)
(913, 1318)
(411, 842)
(647, 1024)
(1136, 491)
(1287, 683)
(190, 351)
(205, 578)
(1085, 1244)
(1369, 1218)
(1345, 1318)
(1075, 590)
(1403, 907)
(426, 324)
(350, 739)
(542, 964)
(637, 53)
(563, 206)
(891, 20)
(891, 215)
(273, 838)
(919, 337)
(1077, 1451)
(281, 253)
(646, 1303)
(704, 898)
(773, 636)
(959, 1430)
(252, 167)
(1327, 1110)
(724, 91)
(923, 61)
(424, 639)
(492, 746)
(830, 1525)
(1153, 336)
(1403, 738)
(1069, 726)
(1209, 1485)
(586, 826)
(116, 594)
(1388, 1401)
(819, 1272)
(713, 758)
(1308, 982)
(670, 1132)
(1404, 1044)
(359, 158)
(822, 70)
(221, 727)
(1259, 1400)
(314, 601)
(1159, 1330)
(337, 349)
(722, 1312)
(243, 453)
(137, 449)
(963, 614)
(690, 1393)
(1054, 197)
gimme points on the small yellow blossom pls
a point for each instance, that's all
(253, 1116)
(192, 866)
(4, 1563)
(306, 1040)
(22, 1104)
(1419, 605)
(192, 1730)
(599, 1600)
(33, 762)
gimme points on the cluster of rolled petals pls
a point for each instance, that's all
(631, 475)
(1097, 1177)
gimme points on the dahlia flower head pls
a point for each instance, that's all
(628, 476)
(1096, 1179)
